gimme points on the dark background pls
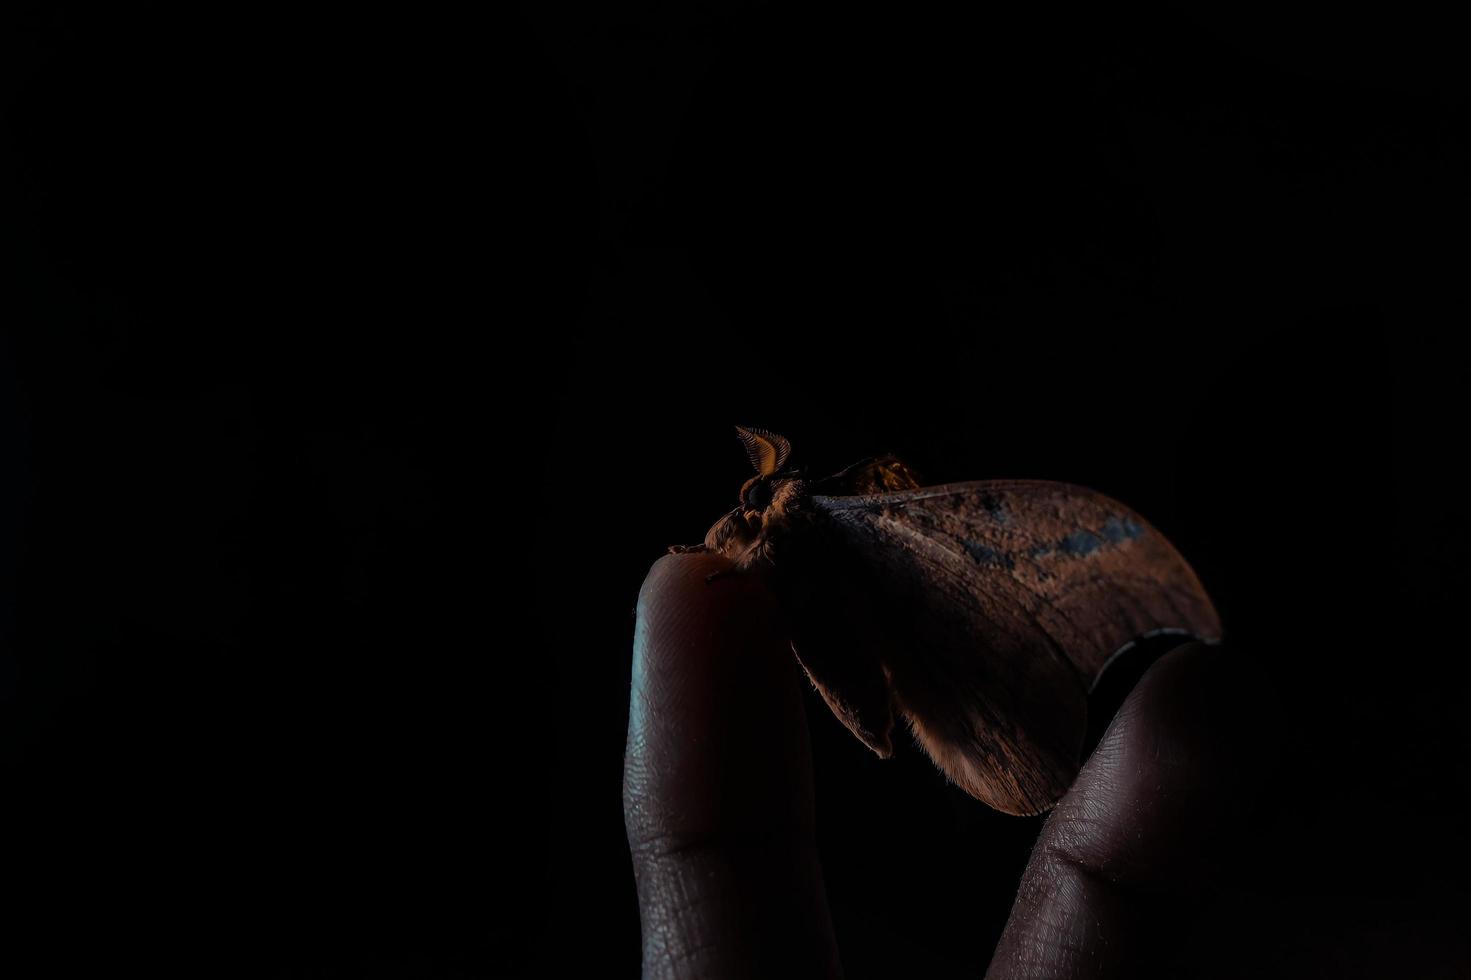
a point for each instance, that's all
(357, 362)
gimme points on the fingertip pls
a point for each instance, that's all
(1202, 713)
(691, 577)
(682, 607)
(1180, 767)
(676, 567)
(676, 574)
(1157, 817)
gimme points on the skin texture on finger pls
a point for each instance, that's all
(1152, 822)
(717, 783)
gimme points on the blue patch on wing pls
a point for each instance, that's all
(1117, 529)
(1083, 542)
(983, 555)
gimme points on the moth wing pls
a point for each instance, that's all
(858, 697)
(767, 450)
(1001, 601)
(829, 613)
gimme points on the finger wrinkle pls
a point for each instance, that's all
(1064, 938)
(676, 940)
(715, 912)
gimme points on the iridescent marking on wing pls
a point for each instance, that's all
(1054, 546)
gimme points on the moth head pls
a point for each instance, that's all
(768, 453)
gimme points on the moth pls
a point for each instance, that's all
(981, 613)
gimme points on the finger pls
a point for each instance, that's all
(717, 783)
(1148, 827)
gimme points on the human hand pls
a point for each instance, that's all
(718, 803)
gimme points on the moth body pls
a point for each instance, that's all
(982, 613)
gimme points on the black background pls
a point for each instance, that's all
(358, 361)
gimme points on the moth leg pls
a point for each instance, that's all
(758, 550)
(687, 549)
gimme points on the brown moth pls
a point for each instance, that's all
(983, 613)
